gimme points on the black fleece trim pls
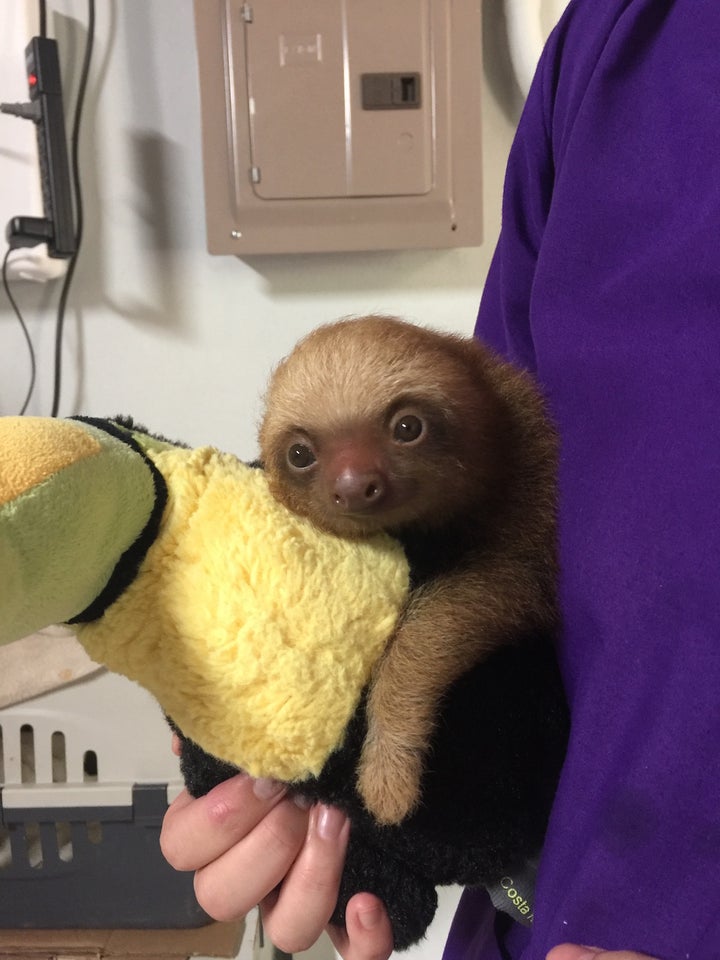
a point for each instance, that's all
(127, 567)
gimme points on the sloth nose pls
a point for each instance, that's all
(358, 491)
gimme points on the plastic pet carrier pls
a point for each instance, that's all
(86, 774)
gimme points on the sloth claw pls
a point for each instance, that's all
(389, 780)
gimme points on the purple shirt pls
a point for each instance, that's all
(606, 284)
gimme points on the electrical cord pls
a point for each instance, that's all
(28, 339)
(42, 14)
(79, 215)
(79, 221)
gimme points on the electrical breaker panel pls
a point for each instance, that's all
(340, 124)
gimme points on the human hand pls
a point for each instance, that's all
(571, 951)
(367, 934)
(250, 844)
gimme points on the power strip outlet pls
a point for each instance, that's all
(45, 87)
(46, 111)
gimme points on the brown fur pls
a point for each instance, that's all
(476, 491)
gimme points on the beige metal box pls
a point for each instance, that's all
(340, 124)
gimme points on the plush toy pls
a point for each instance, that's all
(257, 634)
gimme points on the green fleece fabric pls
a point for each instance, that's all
(72, 500)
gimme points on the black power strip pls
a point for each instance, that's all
(46, 110)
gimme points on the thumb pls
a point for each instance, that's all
(367, 934)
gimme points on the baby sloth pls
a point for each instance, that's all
(377, 424)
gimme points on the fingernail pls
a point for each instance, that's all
(300, 800)
(265, 789)
(330, 822)
(369, 919)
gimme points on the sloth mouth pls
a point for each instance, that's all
(361, 523)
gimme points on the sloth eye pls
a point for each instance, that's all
(300, 456)
(407, 427)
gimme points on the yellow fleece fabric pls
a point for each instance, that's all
(255, 631)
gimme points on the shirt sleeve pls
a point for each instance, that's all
(504, 317)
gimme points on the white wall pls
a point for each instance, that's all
(159, 329)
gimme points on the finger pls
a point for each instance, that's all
(197, 831)
(573, 951)
(296, 914)
(245, 873)
(175, 745)
(367, 934)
